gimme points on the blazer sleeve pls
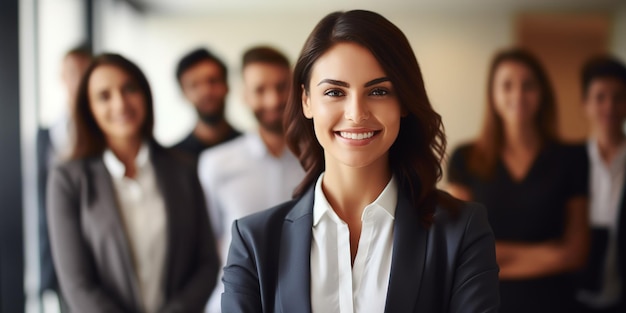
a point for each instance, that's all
(194, 296)
(476, 286)
(241, 282)
(72, 258)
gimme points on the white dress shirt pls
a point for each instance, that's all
(336, 285)
(241, 177)
(144, 216)
(606, 183)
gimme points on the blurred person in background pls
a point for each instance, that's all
(368, 230)
(534, 187)
(604, 100)
(255, 171)
(54, 145)
(203, 79)
(128, 224)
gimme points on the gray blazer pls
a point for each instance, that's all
(449, 267)
(91, 251)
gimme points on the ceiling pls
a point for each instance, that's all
(194, 7)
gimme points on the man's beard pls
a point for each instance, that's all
(212, 118)
(275, 127)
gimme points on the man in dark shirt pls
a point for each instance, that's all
(203, 80)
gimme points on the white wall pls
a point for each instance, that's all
(60, 28)
(619, 33)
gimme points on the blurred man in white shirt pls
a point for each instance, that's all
(604, 98)
(255, 171)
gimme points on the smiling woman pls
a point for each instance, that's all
(367, 231)
(119, 208)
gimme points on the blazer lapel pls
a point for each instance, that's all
(168, 186)
(294, 269)
(101, 198)
(408, 259)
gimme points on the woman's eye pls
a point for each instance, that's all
(379, 92)
(333, 93)
(131, 88)
(103, 96)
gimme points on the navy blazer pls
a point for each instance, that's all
(449, 267)
(91, 250)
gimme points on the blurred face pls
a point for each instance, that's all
(354, 107)
(204, 86)
(117, 103)
(72, 70)
(516, 93)
(605, 105)
(266, 88)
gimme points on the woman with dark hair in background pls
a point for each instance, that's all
(128, 224)
(534, 187)
(368, 230)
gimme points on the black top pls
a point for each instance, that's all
(193, 146)
(530, 210)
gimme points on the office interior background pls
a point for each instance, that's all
(454, 41)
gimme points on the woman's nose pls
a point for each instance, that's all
(356, 110)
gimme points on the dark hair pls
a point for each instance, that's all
(485, 152)
(196, 56)
(415, 157)
(264, 54)
(90, 140)
(604, 66)
(79, 51)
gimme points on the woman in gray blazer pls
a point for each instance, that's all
(368, 230)
(128, 225)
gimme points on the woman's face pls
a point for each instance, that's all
(117, 103)
(516, 93)
(353, 105)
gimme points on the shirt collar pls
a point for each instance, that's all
(596, 159)
(117, 169)
(387, 200)
(259, 149)
(256, 145)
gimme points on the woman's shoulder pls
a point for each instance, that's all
(454, 213)
(569, 153)
(267, 221)
(75, 166)
(569, 147)
(173, 157)
(459, 157)
(71, 173)
(463, 149)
